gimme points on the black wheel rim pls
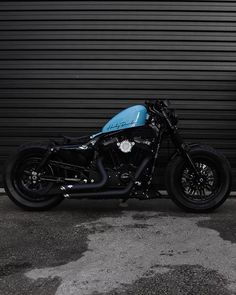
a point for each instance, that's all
(27, 181)
(203, 187)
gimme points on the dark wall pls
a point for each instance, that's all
(67, 66)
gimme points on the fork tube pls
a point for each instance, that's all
(159, 136)
(183, 148)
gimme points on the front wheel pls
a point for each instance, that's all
(205, 191)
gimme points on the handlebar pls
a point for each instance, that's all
(157, 103)
(161, 108)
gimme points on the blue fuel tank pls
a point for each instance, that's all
(134, 116)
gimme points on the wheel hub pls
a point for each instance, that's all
(34, 177)
(31, 179)
(201, 185)
(28, 181)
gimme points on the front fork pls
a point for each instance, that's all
(183, 149)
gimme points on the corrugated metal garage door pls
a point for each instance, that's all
(67, 66)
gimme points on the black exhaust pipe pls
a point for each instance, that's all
(78, 187)
(111, 194)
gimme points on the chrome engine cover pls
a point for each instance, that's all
(125, 146)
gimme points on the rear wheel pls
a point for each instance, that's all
(23, 183)
(205, 191)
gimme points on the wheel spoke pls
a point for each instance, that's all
(203, 194)
(199, 189)
(209, 187)
(210, 179)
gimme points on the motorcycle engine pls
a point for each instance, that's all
(123, 154)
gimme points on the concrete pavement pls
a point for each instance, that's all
(95, 247)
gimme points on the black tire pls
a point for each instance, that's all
(186, 193)
(14, 188)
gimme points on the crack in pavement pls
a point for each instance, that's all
(123, 249)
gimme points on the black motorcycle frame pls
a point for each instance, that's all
(162, 120)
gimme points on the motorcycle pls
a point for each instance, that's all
(119, 162)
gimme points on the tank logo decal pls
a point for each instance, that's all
(121, 125)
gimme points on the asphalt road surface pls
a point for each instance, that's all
(96, 247)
